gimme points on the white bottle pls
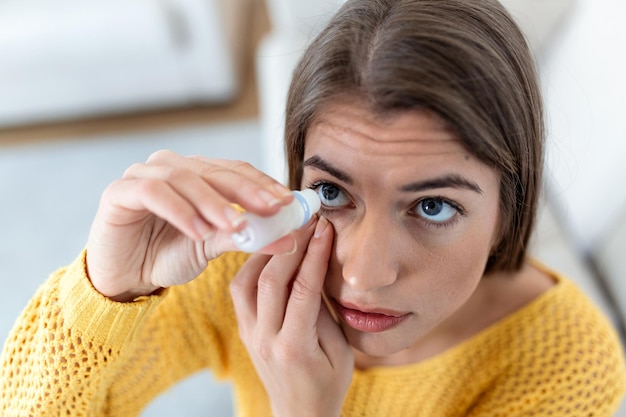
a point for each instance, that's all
(260, 231)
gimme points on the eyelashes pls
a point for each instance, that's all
(330, 194)
(432, 211)
(438, 211)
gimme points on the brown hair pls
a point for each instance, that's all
(465, 60)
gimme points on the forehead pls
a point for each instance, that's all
(353, 131)
(391, 152)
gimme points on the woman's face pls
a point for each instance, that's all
(415, 217)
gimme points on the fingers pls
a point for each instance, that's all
(262, 290)
(253, 190)
(243, 289)
(196, 194)
(275, 281)
(289, 287)
(253, 279)
(305, 297)
(126, 202)
(299, 352)
(239, 182)
(205, 200)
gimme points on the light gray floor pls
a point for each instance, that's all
(48, 196)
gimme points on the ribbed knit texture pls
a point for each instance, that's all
(73, 352)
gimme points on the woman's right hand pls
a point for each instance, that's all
(161, 223)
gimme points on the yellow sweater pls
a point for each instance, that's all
(75, 353)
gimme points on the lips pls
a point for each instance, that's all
(371, 320)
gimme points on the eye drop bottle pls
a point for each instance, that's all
(261, 231)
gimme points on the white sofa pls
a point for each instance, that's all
(70, 58)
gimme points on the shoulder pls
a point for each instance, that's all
(552, 314)
(557, 352)
(562, 310)
(568, 351)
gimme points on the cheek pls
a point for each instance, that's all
(444, 283)
(451, 276)
(451, 267)
(471, 249)
(437, 269)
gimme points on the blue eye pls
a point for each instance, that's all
(435, 210)
(331, 195)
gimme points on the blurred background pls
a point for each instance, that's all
(87, 88)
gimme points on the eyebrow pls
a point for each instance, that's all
(445, 181)
(317, 162)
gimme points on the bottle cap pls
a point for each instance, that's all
(310, 203)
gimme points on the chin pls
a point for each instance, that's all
(380, 344)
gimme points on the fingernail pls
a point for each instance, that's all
(235, 217)
(295, 248)
(202, 228)
(322, 224)
(270, 199)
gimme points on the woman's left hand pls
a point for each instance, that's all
(299, 352)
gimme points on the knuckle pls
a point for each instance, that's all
(204, 159)
(241, 165)
(208, 170)
(160, 156)
(171, 174)
(211, 168)
(303, 288)
(131, 171)
(289, 351)
(267, 283)
(149, 187)
(111, 190)
(247, 167)
(262, 347)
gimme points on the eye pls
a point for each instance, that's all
(435, 210)
(330, 194)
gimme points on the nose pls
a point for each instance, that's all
(369, 258)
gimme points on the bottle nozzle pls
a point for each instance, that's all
(310, 202)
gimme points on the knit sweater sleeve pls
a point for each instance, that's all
(73, 352)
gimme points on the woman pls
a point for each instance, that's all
(419, 124)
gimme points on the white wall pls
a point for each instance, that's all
(585, 90)
(294, 23)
